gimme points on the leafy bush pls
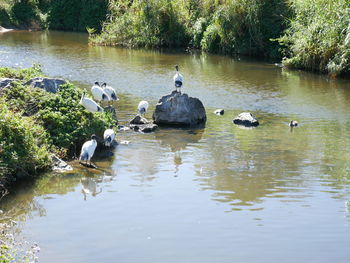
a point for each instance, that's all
(240, 26)
(23, 144)
(67, 124)
(145, 23)
(25, 11)
(76, 15)
(318, 38)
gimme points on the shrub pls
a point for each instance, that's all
(139, 23)
(76, 15)
(23, 144)
(318, 36)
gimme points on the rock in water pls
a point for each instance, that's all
(247, 119)
(50, 85)
(139, 120)
(179, 109)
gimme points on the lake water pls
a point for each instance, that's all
(217, 194)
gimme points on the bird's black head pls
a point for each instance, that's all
(111, 126)
(96, 83)
(177, 67)
(104, 84)
(93, 137)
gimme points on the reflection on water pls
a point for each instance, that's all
(89, 187)
(219, 193)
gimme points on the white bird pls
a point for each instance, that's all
(99, 93)
(178, 79)
(143, 106)
(110, 92)
(88, 149)
(90, 104)
(109, 136)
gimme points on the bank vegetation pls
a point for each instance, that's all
(305, 34)
(35, 124)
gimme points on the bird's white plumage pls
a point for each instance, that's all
(87, 150)
(178, 77)
(142, 107)
(110, 92)
(90, 104)
(108, 136)
(99, 93)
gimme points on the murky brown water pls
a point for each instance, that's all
(218, 194)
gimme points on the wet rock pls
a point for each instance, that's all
(123, 128)
(219, 112)
(47, 84)
(6, 82)
(60, 165)
(247, 119)
(145, 128)
(89, 165)
(139, 120)
(179, 109)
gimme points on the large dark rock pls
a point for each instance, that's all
(48, 84)
(179, 109)
(247, 119)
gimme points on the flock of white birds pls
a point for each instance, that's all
(107, 93)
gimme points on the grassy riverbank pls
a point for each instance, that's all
(310, 35)
(36, 124)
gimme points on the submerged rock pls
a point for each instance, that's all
(145, 128)
(179, 109)
(47, 84)
(139, 120)
(247, 119)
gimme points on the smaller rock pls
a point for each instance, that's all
(123, 128)
(145, 128)
(247, 119)
(48, 84)
(219, 112)
(88, 165)
(60, 165)
(6, 82)
(139, 120)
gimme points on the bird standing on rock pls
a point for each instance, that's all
(178, 79)
(88, 149)
(143, 106)
(109, 136)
